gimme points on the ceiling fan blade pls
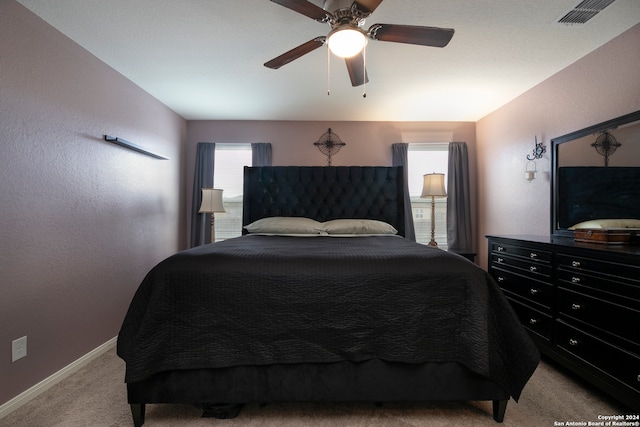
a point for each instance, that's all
(357, 70)
(367, 6)
(295, 53)
(305, 8)
(411, 34)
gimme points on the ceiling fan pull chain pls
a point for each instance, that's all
(364, 63)
(328, 71)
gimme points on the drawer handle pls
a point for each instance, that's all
(533, 321)
(533, 268)
(575, 263)
(500, 249)
(573, 342)
(500, 259)
(533, 255)
(576, 307)
(500, 279)
(533, 291)
(575, 279)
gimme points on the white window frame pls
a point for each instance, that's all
(229, 224)
(421, 208)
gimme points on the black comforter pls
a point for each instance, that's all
(258, 300)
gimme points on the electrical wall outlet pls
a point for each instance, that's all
(18, 348)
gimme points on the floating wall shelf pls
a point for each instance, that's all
(132, 146)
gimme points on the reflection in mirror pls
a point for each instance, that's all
(596, 174)
(581, 152)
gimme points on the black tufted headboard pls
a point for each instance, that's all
(325, 193)
(596, 192)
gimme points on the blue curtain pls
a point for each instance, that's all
(401, 158)
(202, 178)
(459, 235)
(261, 154)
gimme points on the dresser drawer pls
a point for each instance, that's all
(532, 291)
(627, 272)
(603, 315)
(521, 251)
(623, 291)
(532, 319)
(620, 364)
(534, 268)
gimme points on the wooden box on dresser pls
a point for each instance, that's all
(581, 304)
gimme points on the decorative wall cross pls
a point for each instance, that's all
(606, 145)
(329, 144)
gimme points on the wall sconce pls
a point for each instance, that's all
(211, 203)
(530, 174)
(538, 151)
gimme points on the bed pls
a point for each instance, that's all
(308, 307)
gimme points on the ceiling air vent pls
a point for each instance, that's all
(586, 10)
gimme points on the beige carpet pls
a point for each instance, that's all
(96, 396)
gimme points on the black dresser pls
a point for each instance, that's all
(581, 304)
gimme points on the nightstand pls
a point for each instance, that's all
(471, 256)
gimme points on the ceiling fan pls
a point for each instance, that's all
(347, 37)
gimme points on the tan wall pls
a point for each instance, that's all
(81, 220)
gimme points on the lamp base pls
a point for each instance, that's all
(213, 228)
(433, 222)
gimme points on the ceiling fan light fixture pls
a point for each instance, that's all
(346, 41)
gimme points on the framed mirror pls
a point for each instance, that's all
(595, 174)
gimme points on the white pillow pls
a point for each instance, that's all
(608, 223)
(285, 225)
(358, 226)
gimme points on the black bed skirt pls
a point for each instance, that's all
(373, 380)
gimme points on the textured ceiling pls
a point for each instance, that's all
(204, 58)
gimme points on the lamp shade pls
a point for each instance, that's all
(346, 41)
(433, 185)
(211, 201)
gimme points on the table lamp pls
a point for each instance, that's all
(433, 186)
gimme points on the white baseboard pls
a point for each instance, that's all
(52, 380)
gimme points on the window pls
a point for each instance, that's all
(230, 160)
(424, 159)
